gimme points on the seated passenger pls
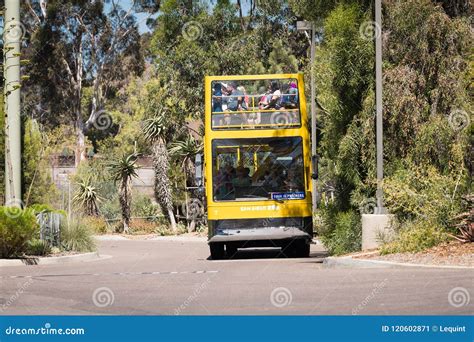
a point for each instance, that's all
(293, 98)
(242, 179)
(217, 98)
(274, 102)
(236, 98)
(285, 96)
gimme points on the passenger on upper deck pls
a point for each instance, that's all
(217, 97)
(276, 96)
(236, 98)
(293, 94)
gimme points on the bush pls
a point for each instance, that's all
(143, 206)
(142, 226)
(38, 247)
(341, 232)
(415, 236)
(17, 227)
(97, 224)
(422, 193)
(76, 236)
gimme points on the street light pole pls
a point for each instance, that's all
(308, 26)
(12, 36)
(380, 209)
(314, 155)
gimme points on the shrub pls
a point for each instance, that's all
(142, 226)
(17, 227)
(341, 232)
(143, 206)
(421, 192)
(97, 224)
(415, 236)
(76, 236)
(38, 247)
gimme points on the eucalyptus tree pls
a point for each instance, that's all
(82, 44)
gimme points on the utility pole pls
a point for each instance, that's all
(380, 209)
(12, 36)
(309, 26)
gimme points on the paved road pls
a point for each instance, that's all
(176, 277)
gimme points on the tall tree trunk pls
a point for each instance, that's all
(125, 199)
(162, 183)
(81, 140)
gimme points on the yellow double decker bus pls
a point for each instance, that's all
(257, 164)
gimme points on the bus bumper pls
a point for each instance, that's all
(258, 234)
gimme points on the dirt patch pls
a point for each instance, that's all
(451, 253)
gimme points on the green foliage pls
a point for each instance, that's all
(142, 206)
(76, 236)
(38, 247)
(17, 227)
(416, 236)
(340, 232)
(421, 192)
(87, 197)
(37, 183)
(96, 224)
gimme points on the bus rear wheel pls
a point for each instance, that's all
(297, 249)
(217, 250)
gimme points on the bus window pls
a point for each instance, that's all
(258, 169)
(255, 104)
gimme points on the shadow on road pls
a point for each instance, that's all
(271, 253)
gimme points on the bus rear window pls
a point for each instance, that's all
(255, 104)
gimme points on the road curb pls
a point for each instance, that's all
(53, 260)
(170, 238)
(366, 263)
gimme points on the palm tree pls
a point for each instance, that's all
(187, 149)
(87, 196)
(123, 170)
(156, 129)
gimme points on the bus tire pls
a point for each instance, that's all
(217, 250)
(231, 250)
(302, 249)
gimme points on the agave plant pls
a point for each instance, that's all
(187, 149)
(123, 170)
(87, 196)
(156, 128)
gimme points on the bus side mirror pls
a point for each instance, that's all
(314, 166)
(198, 170)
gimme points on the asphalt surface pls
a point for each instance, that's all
(176, 277)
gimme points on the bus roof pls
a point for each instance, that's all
(251, 77)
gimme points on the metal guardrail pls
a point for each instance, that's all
(50, 227)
